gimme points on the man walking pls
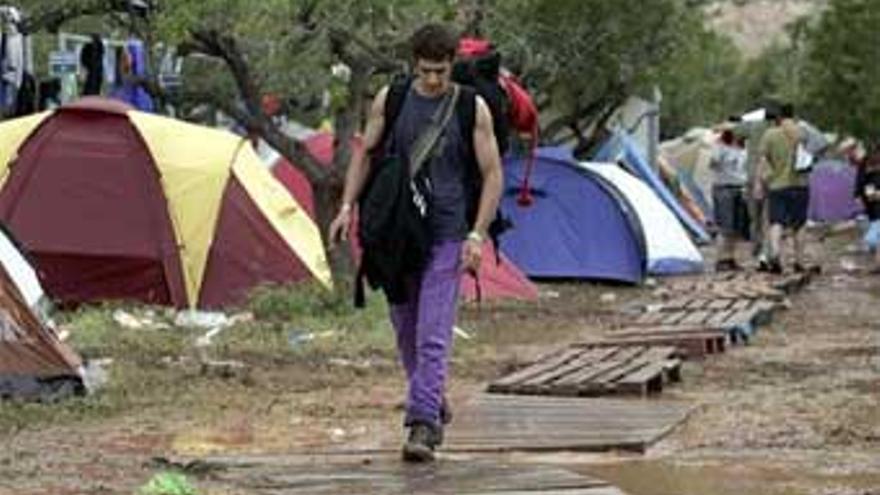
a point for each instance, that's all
(728, 197)
(787, 189)
(752, 132)
(458, 220)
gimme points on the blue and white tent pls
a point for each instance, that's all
(591, 221)
(620, 148)
(668, 248)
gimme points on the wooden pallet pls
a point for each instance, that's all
(716, 304)
(493, 423)
(725, 290)
(692, 342)
(788, 283)
(739, 318)
(585, 370)
(738, 286)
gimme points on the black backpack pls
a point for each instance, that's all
(482, 73)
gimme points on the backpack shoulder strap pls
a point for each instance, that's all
(394, 103)
(467, 114)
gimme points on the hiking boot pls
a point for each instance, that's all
(763, 266)
(774, 267)
(422, 441)
(799, 268)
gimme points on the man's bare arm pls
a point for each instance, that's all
(489, 161)
(359, 168)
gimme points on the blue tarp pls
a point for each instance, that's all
(578, 226)
(620, 148)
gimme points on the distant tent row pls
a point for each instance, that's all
(593, 221)
(114, 203)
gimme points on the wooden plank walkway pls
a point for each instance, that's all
(503, 423)
(265, 475)
(692, 342)
(589, 370)
(737, 286)
(738, 317)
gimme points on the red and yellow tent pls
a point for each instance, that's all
(113, 203)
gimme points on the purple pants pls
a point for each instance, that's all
(424, 331)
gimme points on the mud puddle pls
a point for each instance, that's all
(664, 477)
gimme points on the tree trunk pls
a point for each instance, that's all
(327, 194)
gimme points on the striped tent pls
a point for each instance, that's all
(113, 203)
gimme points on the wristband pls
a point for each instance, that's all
(345, 208)
(475, 237)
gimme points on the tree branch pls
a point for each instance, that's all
(252, 117)
(341, 39)
(52, 20)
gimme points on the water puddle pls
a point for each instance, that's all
(652, 477)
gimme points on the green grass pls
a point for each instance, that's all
(146, 373)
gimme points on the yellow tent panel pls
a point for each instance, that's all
(12, 134)
(285, 215)
(195, 164)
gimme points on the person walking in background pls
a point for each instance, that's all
(786, 188)
(868, 191)
(752, 132)
(92, 60)
(728, 165)
(464, 175)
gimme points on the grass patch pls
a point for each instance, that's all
(307, 324)
(295, 333)
(95, 333)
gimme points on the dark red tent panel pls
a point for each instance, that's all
(246, 252)
(85, 198)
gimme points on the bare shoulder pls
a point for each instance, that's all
(379, 100)
(483, 114)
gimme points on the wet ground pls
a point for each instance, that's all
(795, 412)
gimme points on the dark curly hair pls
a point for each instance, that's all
(434, 42)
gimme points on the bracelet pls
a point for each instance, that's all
(345, 208)
(475, 237)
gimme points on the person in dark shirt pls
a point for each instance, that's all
(424, 322)
(868, 191)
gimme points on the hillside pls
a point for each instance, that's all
(756, 24)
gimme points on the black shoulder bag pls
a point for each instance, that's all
(394, 228)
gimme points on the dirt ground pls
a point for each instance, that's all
(796, 411)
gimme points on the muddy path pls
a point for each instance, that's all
(796, 411)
